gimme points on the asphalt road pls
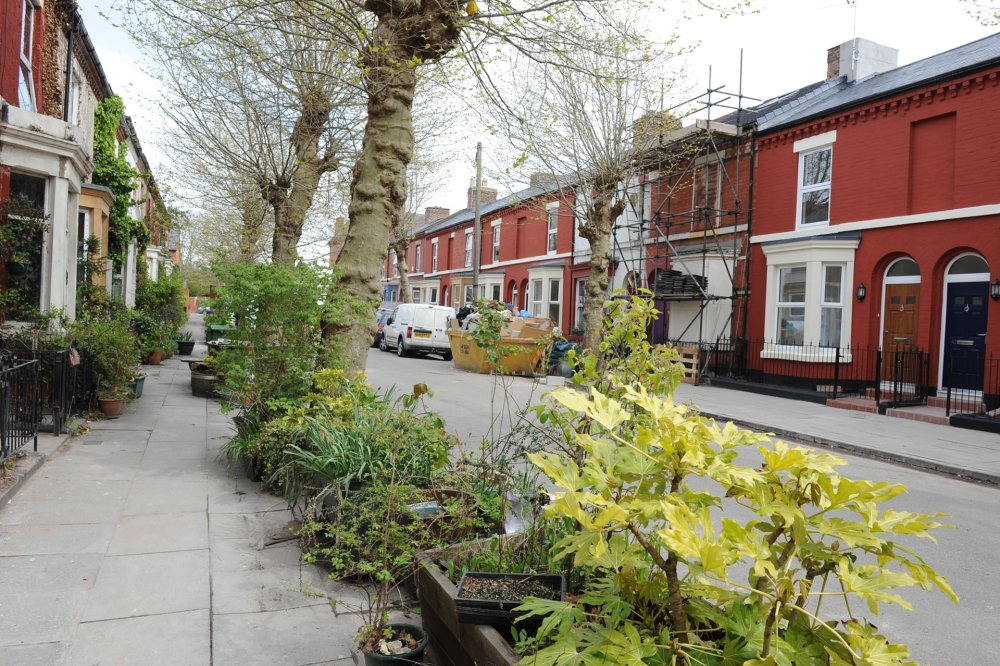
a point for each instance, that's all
(937, 631)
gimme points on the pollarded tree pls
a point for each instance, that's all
(399, 37)
(582, 121)
(255, 95)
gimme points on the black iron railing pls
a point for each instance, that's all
(18, 405)
(983, 401)
(830, 371)
(902, 378)
(833, 372)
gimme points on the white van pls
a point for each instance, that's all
(418, 328)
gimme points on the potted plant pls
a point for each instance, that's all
(205, 377)
(114, 352)
(185, 343)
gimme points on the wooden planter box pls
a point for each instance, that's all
(454, 643)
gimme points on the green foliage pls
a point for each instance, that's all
(90, 296)
(162, 299)
(278, 310)
(672, 575)
(112, 169)
(22, 228)
(112, 347)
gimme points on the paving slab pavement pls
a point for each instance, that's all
(135, 544)
(959, 452)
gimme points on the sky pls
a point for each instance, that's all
(783, 45)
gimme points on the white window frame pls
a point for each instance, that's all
(805, 148)
(552, 227)
(432, 295)
(415, 294)
(798, 305)
(394, 264)
(832, 305)
(496, 241)
(537, 290)
(468, 294)
(417, 268)
(513, 298)
(554, 303)
(815, 255)
(468, 248)
(581, 293)
(75, 94)
(24, 72)
(434, 256)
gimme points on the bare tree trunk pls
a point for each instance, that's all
(407, 31)
(598, 230)
(297, 196)
(378, 191)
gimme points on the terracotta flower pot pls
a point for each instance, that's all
(154, 357)
(111, 408)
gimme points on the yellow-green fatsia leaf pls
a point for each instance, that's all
(606, 411)
(872, 584)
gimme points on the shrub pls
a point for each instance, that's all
(676, 572)
(112, 347)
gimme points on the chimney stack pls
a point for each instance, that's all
(859, 58)
(543, 179)
(435, 213)
(486, 194)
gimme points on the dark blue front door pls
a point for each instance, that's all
(965, 335)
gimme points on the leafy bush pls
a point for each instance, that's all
(113, 349)
(162, 300)
(674, 573)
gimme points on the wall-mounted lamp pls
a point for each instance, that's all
(862, 292)
(995, 290)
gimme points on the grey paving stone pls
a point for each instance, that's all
(171, 639)
(44, 488)
(243, 498)
(155, 495)
(308, 635)
(237, 555)
(160, 533)
(133, 585)
(27, 512)
(124, 466)
(38, 654)
(23, 574)
(189, 469)
(55, 539)
(267, 589)
(39, 617)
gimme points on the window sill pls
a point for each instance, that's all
(806, 354)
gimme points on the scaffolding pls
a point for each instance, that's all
(709, 163)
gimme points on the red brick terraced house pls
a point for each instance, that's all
(525, 248)
(876, 237)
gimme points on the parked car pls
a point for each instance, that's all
(381, 316)
(418, 328)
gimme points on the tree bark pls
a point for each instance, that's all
(597, 230)
(297, 195)
(407, 32)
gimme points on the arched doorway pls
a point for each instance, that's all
(523, 305)
(963, 343)
(512, 294)
(900, 318)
